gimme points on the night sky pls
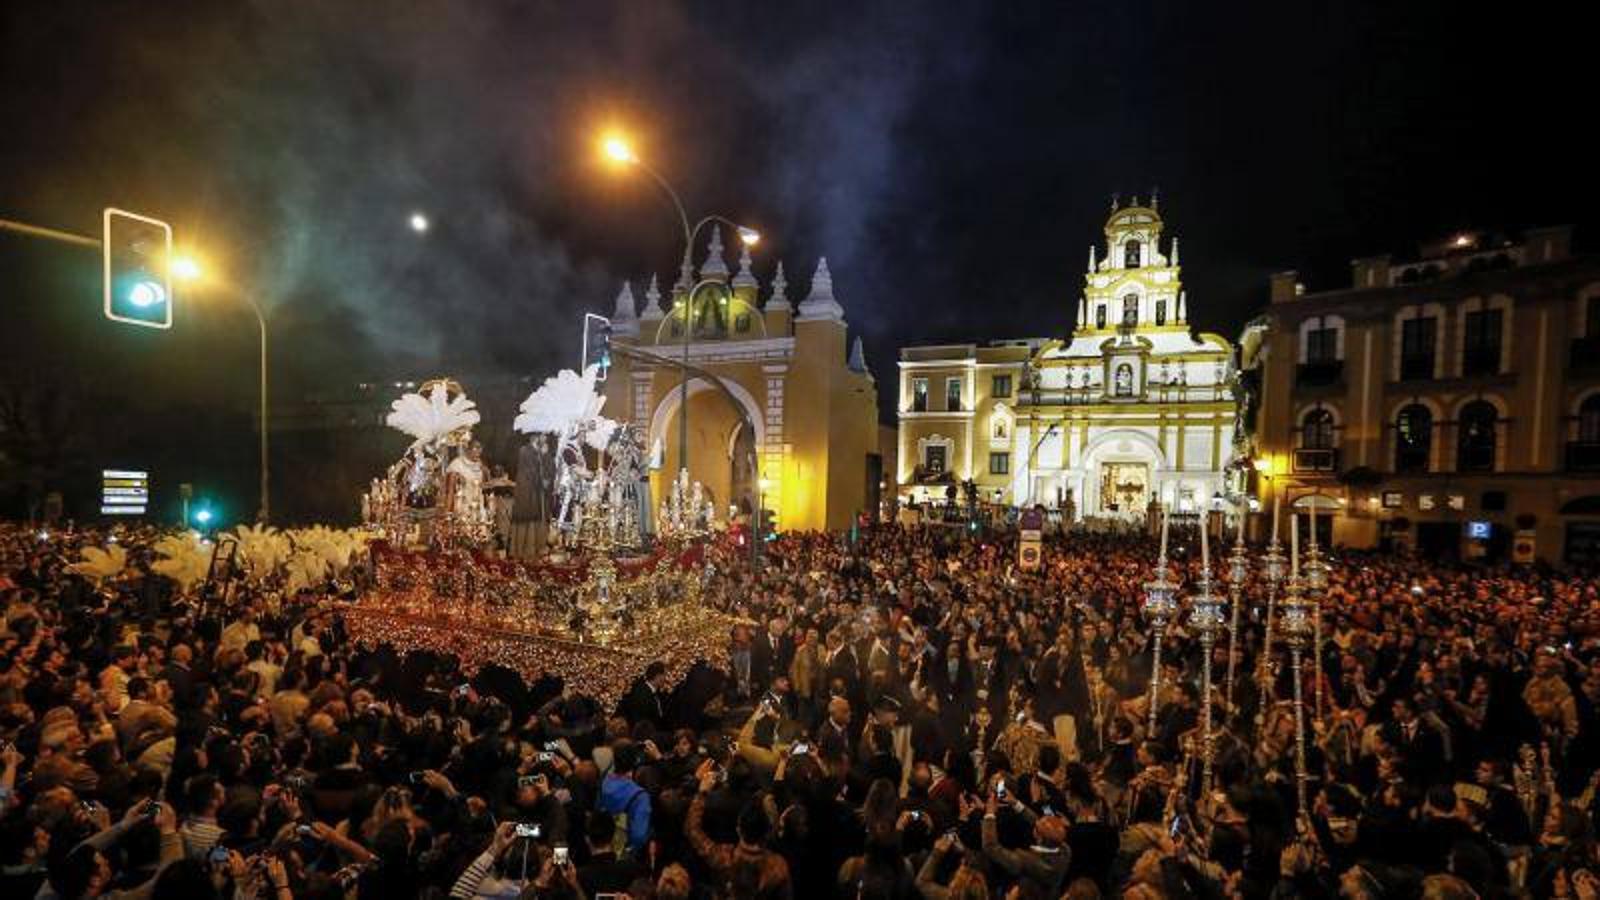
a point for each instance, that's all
(952, 160)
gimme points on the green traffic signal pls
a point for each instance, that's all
(137, 251)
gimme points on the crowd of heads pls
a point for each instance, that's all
(905, 713)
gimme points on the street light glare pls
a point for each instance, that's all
(185, 268)
(419, 222)
(749, 235)
(617, 149)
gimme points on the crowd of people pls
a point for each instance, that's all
(906, 714)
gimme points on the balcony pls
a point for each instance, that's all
(1583, 456)
(1416, 367)
(1585, 354)
(1316, 459)
(1321, 373)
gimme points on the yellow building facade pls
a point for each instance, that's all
(1132, 407)
(1448, 402)
(791, 389)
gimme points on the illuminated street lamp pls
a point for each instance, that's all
(618, 150)
(185, 268)
(419, 223)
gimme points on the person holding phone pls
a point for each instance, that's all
(1045, 862)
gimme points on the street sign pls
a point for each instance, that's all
(124, 492)
(136, 254)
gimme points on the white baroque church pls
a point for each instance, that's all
(1133, 406)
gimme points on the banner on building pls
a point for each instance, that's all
(1030, 555)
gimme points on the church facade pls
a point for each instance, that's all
(782, 411)
(1133, 406)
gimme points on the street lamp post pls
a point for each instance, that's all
(265, 510)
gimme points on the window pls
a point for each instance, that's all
(1100, 315)
(1316, 430)
(999, 464)
(933, 459)
(1130, 254)
(1161, 312)
(1413, 438)
(1476, 427)
(1589, 420)
(741, 322)
(919, 395)
(1130, 309)
(1416, 347)
(1000, 386)
(952, 394)
(1480, 351)
(1124, 380)
(1322, 344)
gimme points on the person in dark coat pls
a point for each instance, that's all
(532, 497)
(647, 701)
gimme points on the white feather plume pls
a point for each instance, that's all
(97, 565)
(335, 547)
(561, 403)
(184, 559)
(262, 549)
(429, 418)
(305, 569)
(599, 432)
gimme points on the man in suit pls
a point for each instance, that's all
(1421, 747)
(647, 701)
(771, 652)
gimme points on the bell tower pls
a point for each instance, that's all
(1134, 285)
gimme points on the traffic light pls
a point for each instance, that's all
(596, 343)
(137, 252)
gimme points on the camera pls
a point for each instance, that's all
(218, 856)
(304, 830)
(560, 856)
(801, 748)
(414, 778)
(152, 809)
(1000, 790)
(529, 780)
(461, 689)
(532, 830)
(546, 756)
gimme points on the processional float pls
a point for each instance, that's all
(619, 588)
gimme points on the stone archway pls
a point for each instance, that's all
(724, 443)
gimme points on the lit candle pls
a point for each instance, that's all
(1164, 520)
(1294, 552)
(1275, 499)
